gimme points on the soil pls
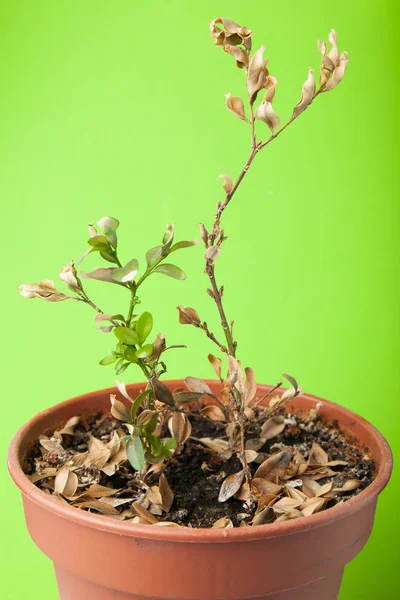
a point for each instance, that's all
(195, 475)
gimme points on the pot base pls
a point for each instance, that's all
(71, 587)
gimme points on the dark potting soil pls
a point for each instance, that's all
(196, 474)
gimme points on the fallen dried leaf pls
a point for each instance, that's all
(167, 495)
(66, 482)
(230, 486)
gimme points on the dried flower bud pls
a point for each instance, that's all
(44, 290)
(227, 185)
(212, 253)
(203, 233)
(69, 276)
(188, 316)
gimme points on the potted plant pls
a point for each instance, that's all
(193, 489)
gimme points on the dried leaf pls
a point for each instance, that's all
(267, 515)
(308, 93)
(66, 482)
(119, 410)
(144, 513)
(188, 316)
(199, 386)
(256, 74)
(215, 444)
(228, 184)
(313, 505)
(69, 426)
(101, 507)
(275, 467)
(187, 397)
(99, 491)
(162, 393)
(250, 385)
(236, 106)
(180, 427)
(98, 453)
(44, 290)
(318, 456)
(167, 495)
(52, 444)
(214, 413)
(223, 523)
(251, 455)
(272, 427)
(230, 486)
(266, 113)
(348, 486)
(216, 364)
(338, 73)
(261, 487)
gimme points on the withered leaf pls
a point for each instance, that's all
(98, 453)
(307, 95)
(348, 486)
(236, 106)
(262, 486)
(52, 444)
(144, 513)
(256, 74)
(212, 253)
(267, 515)
(223, 523)
(318, 456)
(119, 410)
(214, 413)
(216, 364)
(162, 393)
(230, 486)
(250, 385)
(167, 495)
(228, 184)
(199, 386)
(101, 507)
(188, 316)
(312, 505)
(69, 426)
(274, 467)
(187, 397)
(99, 491)
(66, 482)
(272, 427)
(180, 427)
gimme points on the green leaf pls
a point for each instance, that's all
(180, 245)
(168, 236)
(138, 402)
(170, 444)
(135, 453)
(153, 255)
(121, 367)
(145, 351)
(130, 354)
(124, 438)
(109, 257)
(126, 335)
(144, 325)
(109, 227)
(151, 425)
(170, 270)
(156, 445)
(108, 360)
(97, 240)
(126, 273)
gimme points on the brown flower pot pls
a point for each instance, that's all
(98, 558)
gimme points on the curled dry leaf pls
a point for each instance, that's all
(333, 66)
(101, 507)
(216, 364)
(265, 516)
(307, 95)
(313, 505)
(44, 290)
(272, 427)
(122, 390)
(167, 495)
(98, 453)
(230, 34)
(236, 106)
(69, 426)
(265, 111)
(223, 523)
(256, 74)
(251, 455)
(214, 413)
(348, 486)
(180, 427)
(66, 482)
(188, 316)
(318, 456)
(230, 486)
(228, 184)
(144, 513)
(215, 444)
(261, 487)
(250, 385)
(118, 409)
(52, 444)
(199, 386)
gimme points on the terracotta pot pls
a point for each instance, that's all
(98, 558)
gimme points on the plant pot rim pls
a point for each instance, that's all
(197, 535)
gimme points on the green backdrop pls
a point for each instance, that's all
(118, 108)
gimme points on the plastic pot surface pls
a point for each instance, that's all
(99, 558)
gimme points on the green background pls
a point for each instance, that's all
(118, 108)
